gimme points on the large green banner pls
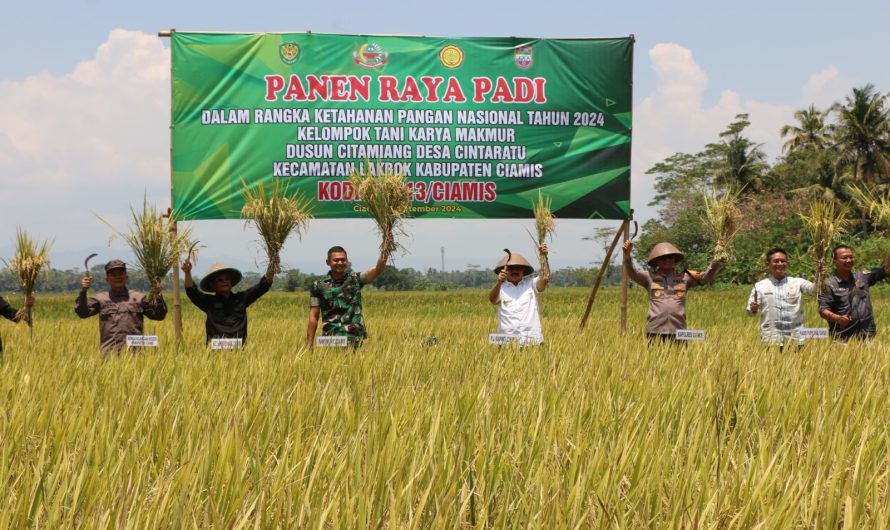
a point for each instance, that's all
(477, 125)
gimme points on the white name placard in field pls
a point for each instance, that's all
(142, 341)
(226, 344)
(813, 333)
(501, 338)
(690, 334)
(331, 342)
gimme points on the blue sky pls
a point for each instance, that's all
(84, 95)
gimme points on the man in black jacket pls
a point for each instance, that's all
(226, 311)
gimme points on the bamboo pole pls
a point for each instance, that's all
(599, 277)
(624, 277)
(177, 292)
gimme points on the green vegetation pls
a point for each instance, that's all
(589, 431)
(827, 155)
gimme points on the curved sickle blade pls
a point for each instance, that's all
(636, 230)
(509, 254)
(86, 262)
(191, 250)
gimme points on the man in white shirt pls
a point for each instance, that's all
(516, 295)
(779, 300)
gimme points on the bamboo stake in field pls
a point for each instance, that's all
(599, 277)
(544, 227)
(28, 263)
(154, 244)
(388, 199)
(276, 214)
(827, 222)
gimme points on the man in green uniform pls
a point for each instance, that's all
(337, 299)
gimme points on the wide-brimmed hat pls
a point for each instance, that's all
(216, 268)
(514, 259)
(664, 249)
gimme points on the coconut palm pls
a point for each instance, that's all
(863, 136)
(737, 161)
(813, 132)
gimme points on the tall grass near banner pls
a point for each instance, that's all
(590, 430)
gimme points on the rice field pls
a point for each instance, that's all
(590, 430)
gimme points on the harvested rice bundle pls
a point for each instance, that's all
(155, 243)
(720, 222)
(29, 261)
(276, 214)
(544, 227)
(827, 222)
(387, 197)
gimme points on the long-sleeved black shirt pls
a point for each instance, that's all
(227, 315)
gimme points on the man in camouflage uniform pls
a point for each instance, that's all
(667, 288)
(120, 310)
(337, 299)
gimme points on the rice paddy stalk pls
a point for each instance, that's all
(29, 262)
(155, 242)
(876, 207)
(720, 222)
(387, 198)
(276, 213)
(544, 226)
(826, 222)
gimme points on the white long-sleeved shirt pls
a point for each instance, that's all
(781, 306)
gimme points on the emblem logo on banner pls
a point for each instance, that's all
(523, 57)
(289, 52)
(370, 55)
(451, 56)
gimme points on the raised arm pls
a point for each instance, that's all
(84, 307)
(632, 272)
(494, 295)
(544, 277)
(371, 274)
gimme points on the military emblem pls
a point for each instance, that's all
(289, 52)
(370, 55)
(523, 57)
(451, 56)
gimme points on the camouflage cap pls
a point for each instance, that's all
(115, 264)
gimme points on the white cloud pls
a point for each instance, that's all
(825, 87)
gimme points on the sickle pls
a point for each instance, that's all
(509, 254)
(192, 249)
(86, 262)
(636, 230)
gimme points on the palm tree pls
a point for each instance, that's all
(813, 132)
(737, 161)
(863, 136)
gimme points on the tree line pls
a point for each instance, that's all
(825, 152)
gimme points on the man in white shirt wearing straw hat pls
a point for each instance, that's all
(516, 294)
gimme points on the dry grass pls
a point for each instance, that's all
(276, 213)
(827, 222)
(388, 198)
(28, 263)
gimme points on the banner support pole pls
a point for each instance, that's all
(177, 293)
(624, 278)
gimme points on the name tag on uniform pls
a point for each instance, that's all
(501, 338)
(813, 333)
(331, 342)
(226, 344)
(142, 341)
(690, 334)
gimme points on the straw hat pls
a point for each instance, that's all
(514, 259)
(216, 268)
(664, 249)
